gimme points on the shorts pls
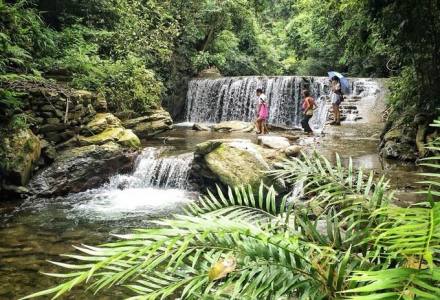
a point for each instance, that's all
(336, 99)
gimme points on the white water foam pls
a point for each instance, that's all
(156, 186)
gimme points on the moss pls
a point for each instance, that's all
(120, 135)
(235, 166)
(19, 151)
(394, 134)
(129, 139)
(101, 122)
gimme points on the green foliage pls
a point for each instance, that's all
(168, 42)
(23, 38)
(126, 84)
(367, 248)
(9, 103)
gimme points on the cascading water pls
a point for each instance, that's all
(233, 98)
(157, 185)
(154, 171)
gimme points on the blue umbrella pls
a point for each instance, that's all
(345, 84)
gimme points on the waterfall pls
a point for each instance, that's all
(234, 98)
(320, 115)
(151, 170)
(157, 185)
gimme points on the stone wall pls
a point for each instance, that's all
(58, 113)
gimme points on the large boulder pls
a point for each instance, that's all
(230, 126)
(233, 163)
(82, 168)
(19, 152)
(155, 122)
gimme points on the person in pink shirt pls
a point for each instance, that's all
(262, 113)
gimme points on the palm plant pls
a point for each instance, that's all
(345, 240)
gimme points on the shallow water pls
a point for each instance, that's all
(41, 229)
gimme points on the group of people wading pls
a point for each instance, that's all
(308, 107)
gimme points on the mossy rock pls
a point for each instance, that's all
(120, 135)
(19, 152)
(129, 139)
(235, 167)
(238, 162)
(393, 135)
(101, 122)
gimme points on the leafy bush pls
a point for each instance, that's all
(127, 85)
(403, 93)
(23, 38)
(346, 241)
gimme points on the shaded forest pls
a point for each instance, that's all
(139, 53)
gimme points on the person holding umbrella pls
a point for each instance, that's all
(336, 99)
(339, 86)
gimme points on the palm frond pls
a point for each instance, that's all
(394, 284)
(185, 249)
(342, 197)
(432, 163)
(413, 231)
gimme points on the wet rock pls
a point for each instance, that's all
(233, 163)
(82, 168)
(200, 127)
(19, 153)
(48, 151)
(396, 150)
(231, 126)
(281, 128)
(13, 191)
(293, 151)
(399, 141)
(273, 142)
(155, 122)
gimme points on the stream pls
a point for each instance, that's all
(41, 229)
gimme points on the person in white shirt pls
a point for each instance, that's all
(336, 99)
